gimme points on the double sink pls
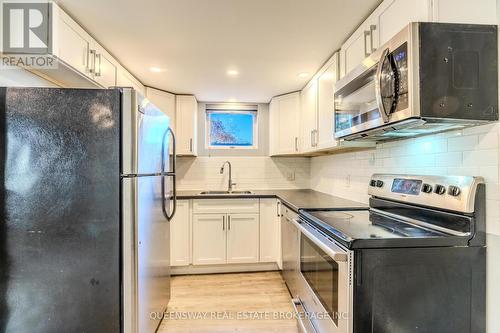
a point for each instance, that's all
(225, 192)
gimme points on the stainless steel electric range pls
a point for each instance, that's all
(415, 261)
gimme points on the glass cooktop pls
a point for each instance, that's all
(351, 226)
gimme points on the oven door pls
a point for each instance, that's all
(375, 93)
(325, 291)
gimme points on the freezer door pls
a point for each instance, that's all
(143, 129)
(59, 210)
(146, 245)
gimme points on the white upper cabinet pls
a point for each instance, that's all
(393, 15)
(289, 110)
(274, 127)
(284, 113)
(186, 125)
(73, 45)
(363, 42)
(163, 100)
(104, 68)
(309, 116)
(326, 85)
(465, 11)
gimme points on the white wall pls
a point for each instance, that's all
(21, 78)
(258, 172)
(472, 152)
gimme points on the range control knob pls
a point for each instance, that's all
(440, 189)
(373, 183)
(427, 188)
(379, 183)
(454, 190)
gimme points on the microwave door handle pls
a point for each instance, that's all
(378, 88)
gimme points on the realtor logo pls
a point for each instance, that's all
(27, 27)
(26, 35)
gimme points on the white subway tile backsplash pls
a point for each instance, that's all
(203, 173)
(469, 152)
(461, 143)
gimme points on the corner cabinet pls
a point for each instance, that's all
(186, 125)
(284, 113)
(165, 101)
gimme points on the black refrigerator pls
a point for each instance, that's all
(88, 190)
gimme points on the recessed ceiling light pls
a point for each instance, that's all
(156, 69)
(232, 72)
(303, 75)
(232, 100)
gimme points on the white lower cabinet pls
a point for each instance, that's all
(225, 239)
(269, 233)
(209, 239)
(180, 235)
(242, 238)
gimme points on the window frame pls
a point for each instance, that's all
(235, 110)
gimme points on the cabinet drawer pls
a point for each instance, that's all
(225, 206)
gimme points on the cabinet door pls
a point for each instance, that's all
(465, 11)
(274, 129)
(269, 237)
(209, 239)
(186, 115)
(394, 15)
(104, 68)
(180, 239)
(73, 47)
(326, 84)
(289, 112)
(243, 238)
(165, 101)
(308, 119)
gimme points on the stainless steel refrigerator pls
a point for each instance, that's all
(88, 188)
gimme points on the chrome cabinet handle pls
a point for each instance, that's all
(191, 145)
(373, 27)
(229, 222)
(98, 56)
(92, 58)
(296, 144)
(223, 222)
(366, 34)
(278, 208)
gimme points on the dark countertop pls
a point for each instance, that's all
(295, 199)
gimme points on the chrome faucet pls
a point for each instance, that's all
(230, 183)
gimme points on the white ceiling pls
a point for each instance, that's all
(196, 41)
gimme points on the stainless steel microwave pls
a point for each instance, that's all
(430, 77)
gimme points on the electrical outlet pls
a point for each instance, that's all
(347, 181)
(290, 175)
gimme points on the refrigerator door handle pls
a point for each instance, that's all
(170, 173)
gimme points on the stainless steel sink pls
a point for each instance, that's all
(224, 192)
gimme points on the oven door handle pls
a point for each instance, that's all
(378, 86)
(331, 249)
(302, 319)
